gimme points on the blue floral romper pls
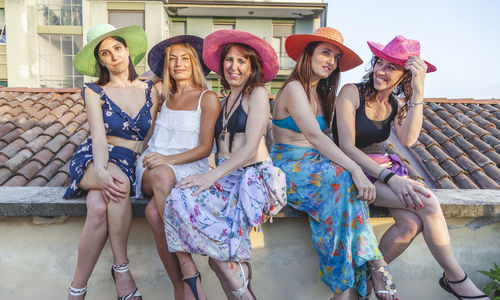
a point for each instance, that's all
(116, 123)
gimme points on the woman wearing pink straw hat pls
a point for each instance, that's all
(212, 213)
(182, 138)
(322, 181)
(393, 94)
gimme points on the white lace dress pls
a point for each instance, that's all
(176, 131)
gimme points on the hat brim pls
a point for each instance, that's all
(156, 56)
(137, 43)
(214, 44)
(295, 44)
(378, 50)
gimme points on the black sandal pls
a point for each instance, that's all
(191, 282)
(445, 284)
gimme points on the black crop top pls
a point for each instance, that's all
(368, 131)
(236, 123)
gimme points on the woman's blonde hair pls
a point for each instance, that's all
(197, 76)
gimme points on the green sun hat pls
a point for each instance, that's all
(137, 43)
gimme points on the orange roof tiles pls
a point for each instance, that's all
(459, 146)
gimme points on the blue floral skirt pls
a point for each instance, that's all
(217, 222)
(340, 223)
(122, 157)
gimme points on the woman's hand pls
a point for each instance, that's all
(418, 69)
(408, 191)
(366, 189)
(109, 185)
(202, 181)
(155, 159)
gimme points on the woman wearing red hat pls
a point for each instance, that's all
(322, 181)
(182, 138)
(393, 94)
(212, 213)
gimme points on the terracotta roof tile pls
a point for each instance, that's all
(484, 181)
(37, 181)
(11, 136)
(56, 143)
(464, 182)
(6, 128)
(77, 138)
(13, 148)
(43, 156)
(70, 129)
(17, 180)
(51, 169)
(38, 143)
(5, 174)
(66, 152)
(18, 160)
(66, 118)
(53, 130)
(60, 179)
(3, 158)
(60, 110)
(30, 169)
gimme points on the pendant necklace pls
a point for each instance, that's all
(226, 113)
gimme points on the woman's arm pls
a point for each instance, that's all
(210, 109)
(100, 153)
(299, 108)
(410, 127)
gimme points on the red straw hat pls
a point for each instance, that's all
(398, 51)
(296, 43)
(214, 44)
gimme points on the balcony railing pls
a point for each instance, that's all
(286, 63)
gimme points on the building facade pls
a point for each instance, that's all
(39, 38)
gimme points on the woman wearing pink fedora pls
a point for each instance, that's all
(182, 138)
(393, 94)
(322, 181)
(212, 213)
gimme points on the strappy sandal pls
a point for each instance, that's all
(77, 292)
(191, 282)
(445, 284)
(122, 269)
(247, 285)
(390, 287)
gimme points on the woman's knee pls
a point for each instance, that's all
(410, 227)
(96, 206)
(162, 178)
(431, 204)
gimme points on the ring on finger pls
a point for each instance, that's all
(406, 195)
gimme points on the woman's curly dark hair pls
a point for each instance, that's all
(402, 91)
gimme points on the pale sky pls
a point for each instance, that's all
(461, 38)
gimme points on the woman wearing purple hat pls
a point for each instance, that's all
(322, 181)
(212, 213)
(393, 94)
(182, 138)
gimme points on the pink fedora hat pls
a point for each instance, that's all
(296, 43)
(214, 44)
(398, 51)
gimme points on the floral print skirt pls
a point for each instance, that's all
(122, 157)
(340, 223)
(217, 222)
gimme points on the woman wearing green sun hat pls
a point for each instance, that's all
(120, 110)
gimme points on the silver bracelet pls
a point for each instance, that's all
(411, 104)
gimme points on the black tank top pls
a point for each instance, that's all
(236, 123)
(368, 131)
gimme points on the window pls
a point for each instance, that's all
(178, 28)
(223, 24)
(122, 18)
(57, 52)
(60, 12)
(280, 33)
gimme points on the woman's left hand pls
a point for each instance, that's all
(202, 181)
(418, 69)
(155, 159)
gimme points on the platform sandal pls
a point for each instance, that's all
(445, 284)
(191, 282)
(122, 269)
(247, 285)
(77, 292)
(390, 287)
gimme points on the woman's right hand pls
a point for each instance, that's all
(366, 189)
(109, 185)
(408, 191)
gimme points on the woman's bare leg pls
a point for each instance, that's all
(189, 269)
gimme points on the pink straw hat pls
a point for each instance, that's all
(214, 44)
(296, 43)
(398, 51)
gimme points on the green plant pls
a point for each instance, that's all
(494, 286)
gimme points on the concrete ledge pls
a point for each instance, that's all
(48, 202)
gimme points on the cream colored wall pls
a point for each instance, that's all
(22, 46)
(38, 260)
(260, 27)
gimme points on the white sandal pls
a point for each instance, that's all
(246, 283)
(122, 269)
(77, 292)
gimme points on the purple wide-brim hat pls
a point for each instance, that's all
(156, 57)
(214, 44)
(398, 51)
